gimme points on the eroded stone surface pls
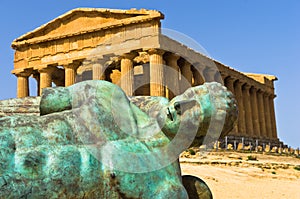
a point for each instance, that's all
(22, 106)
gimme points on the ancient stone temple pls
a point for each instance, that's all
(126, 48)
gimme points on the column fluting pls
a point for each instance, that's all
(172, 75)
(248, 111)
(22, 85)
(239, 98)
(156, 72)
(127, 74)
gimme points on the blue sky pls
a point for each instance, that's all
(259, 36)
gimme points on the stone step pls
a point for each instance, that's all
(20, 106)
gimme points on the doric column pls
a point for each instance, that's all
(172, 75)
(22, 85)
(186, 79)
(239, 98)
(255, 116)
(261, 112)
(209, 74)
(273, 119)
(45, 78)
(267, 115)
(218, 77)
(248, 111)
(98, 71)
(70, 73)
(127, 75)
(156, 72)
(197, 70)
(229, 83)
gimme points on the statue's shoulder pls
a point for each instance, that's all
(58, 99)
(98, 84)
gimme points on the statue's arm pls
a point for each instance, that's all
(59, 99)
(55, 99)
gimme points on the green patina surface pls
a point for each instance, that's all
(90, 138)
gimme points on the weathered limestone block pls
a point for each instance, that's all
(267, 148)
(292, 151)
(217, 145)
(274, 149)
(297, 152)
(229, 147)
(240, 146)
(259, 148)
(203, 147)
(235, 156)
(20, 106)
(248, 148)
(286, 150)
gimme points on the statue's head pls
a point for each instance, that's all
(206, 110)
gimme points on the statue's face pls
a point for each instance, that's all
(198, 109)
(181, 112)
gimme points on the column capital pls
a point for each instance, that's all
(129, 56)
(183, 62)
(24, 74)
(260, 91)
(229, 79)
(253, 89)
(209, 69)
(142, 58)
(46, 69)
(266, 94)
(246, 86)
(198, 66)
(272, 96)
(239, 82)
(171, 56)
(156, 51)
(68, 66)
(72, 65)
(96, 59)
(35, 75)
(224, 76)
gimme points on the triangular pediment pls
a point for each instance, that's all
(84, 20)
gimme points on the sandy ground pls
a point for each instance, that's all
(232, 175)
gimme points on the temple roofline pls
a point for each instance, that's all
(141, 15)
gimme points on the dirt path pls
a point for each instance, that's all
(268, 177)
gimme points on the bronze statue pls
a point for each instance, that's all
(92, 141)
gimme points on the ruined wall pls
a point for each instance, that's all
(20, 106)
